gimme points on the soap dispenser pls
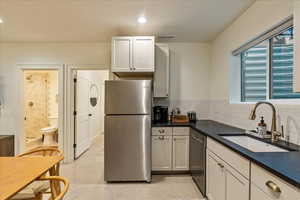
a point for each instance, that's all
(262, 128)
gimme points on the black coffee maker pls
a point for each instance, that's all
(160, 114)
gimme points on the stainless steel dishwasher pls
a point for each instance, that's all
(198, 159)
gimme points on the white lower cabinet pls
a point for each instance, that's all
(181, 152)
(228, 178)
(215, 180)
(257, 194)
(237, 187)
(162, 153)
(224, 182)
(265, 185)
(170, 149)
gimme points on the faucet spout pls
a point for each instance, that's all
(273, 125)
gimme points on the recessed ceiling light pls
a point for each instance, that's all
(142, 20)
(1, 20)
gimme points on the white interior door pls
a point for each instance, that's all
(82, 125)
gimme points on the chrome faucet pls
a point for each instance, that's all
(274, 133)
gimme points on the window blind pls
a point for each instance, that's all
(254, 73)
(282, 66)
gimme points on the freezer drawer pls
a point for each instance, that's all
(128, 97)
(127, 148)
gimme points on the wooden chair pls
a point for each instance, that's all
(45, 151)
(36, 189)
(56, 195)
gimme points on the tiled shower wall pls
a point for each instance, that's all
(53, 97)
(41, 101)
(35, 102)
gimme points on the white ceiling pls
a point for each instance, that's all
(98, 20)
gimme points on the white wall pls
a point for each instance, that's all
(262, 15)
(12, 54)
(189, 77)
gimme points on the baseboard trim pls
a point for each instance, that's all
(170, 172)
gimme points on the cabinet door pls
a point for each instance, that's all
(237, 187)
(180, 153)
(161, 153)
(143, 54)
(121, 54)
(161, 74)
(215, 180)
(257, 194)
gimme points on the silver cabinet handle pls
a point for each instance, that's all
(220, 165)
(161, 131)
(161, 137)
(273, 187)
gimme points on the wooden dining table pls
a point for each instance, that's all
(18, 172)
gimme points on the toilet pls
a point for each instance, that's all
(48, 135)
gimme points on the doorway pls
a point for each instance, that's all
(88, 107)
(40, 106)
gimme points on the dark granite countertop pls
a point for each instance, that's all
(285, 165)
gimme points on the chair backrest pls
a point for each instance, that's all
(57, 194)
(47, 151)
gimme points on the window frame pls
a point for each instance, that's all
(265, 37)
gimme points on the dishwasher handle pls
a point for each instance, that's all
(197, 139)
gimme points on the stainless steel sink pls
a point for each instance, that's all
(253, 144)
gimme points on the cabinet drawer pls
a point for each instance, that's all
(260, 177)
(242, 165)
(161, 131)
(181, 131)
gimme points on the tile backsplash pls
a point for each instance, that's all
(200, 107)
(237, 115)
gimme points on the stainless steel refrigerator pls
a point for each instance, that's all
(127, 137)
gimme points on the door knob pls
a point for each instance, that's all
(90, 115)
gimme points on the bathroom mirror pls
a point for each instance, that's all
(94, 95)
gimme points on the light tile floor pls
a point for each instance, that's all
(87, 183)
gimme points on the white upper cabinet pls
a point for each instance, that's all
(133, 54)
(162, 68)
(143, 54)
(121, 54)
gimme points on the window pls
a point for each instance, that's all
(282, 51)
(267, 68)
(254, 73)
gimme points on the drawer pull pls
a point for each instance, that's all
(220, 165)
(161, 131)
(273, 187)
